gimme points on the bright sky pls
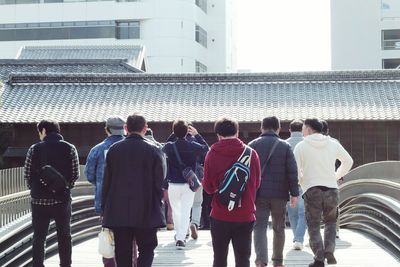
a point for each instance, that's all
(283, 35)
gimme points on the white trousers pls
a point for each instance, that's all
(181, 200)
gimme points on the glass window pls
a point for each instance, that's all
(391, 63)
(202, 4)
(127, 30)
(391, 39)
(201, 36)
(200, 67)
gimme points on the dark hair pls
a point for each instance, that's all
(271, 123)
(296, 126)
(50, 126)
(135, 123)
(314, 124)
(226, 127)
(325, 127)
(180, 128)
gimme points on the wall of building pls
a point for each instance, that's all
(366, 141)
(167, 30)
(355, 34)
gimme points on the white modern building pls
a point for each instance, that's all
(365, 34)
(178, 35)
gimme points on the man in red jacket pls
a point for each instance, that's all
(237, 224)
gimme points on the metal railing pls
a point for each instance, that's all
(12, 181)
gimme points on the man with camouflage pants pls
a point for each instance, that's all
(315, 157)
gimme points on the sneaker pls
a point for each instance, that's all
(330, 258)
(297, 245)
(180, 244)
(193, 229)
(261, 265)
(317, 264)
(170, 226)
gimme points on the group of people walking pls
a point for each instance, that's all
(135, 176)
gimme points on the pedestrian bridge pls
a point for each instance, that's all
(370, 222)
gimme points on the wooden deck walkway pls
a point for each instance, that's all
(352, 250)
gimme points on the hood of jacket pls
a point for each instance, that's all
(228, 147)
(317, 140)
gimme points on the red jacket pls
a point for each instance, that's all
(218, 160)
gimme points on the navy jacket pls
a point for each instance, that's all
(59, 154)
(189, 151)
(279, 178)
(132, 185)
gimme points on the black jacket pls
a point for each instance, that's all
(59, 154)
(279, 178)
(132, 184)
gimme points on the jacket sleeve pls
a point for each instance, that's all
(209, 182)
(159, 172)
(291, 172)
(75, 166)
(346, 162)
(255, 167)
(106, 181)
(91, 166)
(297, 156)
(28, 167)
(200, 146)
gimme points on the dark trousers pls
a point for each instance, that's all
(41, 216)
(222, 233)
(146, 240)
(321, 204)
(206, 210)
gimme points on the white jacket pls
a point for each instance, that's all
(316, 156)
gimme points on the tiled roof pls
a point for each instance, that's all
(8, 66)
(69, 98)
(134, 54)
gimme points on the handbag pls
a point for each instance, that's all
(50, 178)
(106, 244)
(188, 174)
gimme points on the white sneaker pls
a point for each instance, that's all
(297, 245)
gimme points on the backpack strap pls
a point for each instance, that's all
(270, 154)
(245, 157)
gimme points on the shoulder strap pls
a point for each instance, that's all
(270, 154)
(245, 157)
(178, 157)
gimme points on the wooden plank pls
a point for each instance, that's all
(352, 250)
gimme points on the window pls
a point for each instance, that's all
(200, 67)
(127, 30)
(201, 36)
(69, 30)
(391, 39)
(202, 4)
(391, 63)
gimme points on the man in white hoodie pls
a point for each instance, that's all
(315, 157)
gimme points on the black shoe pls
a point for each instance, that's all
(330, 258)
(317, 264)
(180, 244)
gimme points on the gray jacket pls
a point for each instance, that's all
(295, 138)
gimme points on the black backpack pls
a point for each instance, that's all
(235, 180)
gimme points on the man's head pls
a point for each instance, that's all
(325, 127)
(136, 124)
(311, 126)
(271, 124)
(180, 128)
(226, 128)
(296, 126)
(46, 127)
(115, 125)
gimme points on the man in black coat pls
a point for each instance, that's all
(279, 183)
(132, 193)
(46, 202)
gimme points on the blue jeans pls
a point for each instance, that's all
(297, 219)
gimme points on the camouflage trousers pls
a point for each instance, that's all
(321, 204)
